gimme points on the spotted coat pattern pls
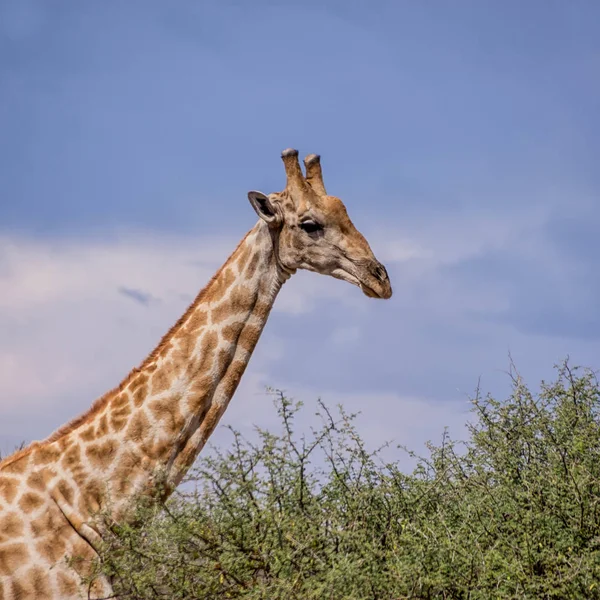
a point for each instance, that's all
(142, 436)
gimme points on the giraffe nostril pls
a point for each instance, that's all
(380, 272)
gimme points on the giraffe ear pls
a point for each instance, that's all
(263, 207)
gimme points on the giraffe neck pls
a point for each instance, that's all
(148, 432)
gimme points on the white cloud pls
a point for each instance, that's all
(70, 328)
(70, 334)
(42, 273)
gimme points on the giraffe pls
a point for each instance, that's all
(145, 434)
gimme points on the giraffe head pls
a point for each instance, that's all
(312, 230)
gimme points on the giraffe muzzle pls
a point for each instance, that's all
(375, 283)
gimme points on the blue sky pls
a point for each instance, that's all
(463, 138)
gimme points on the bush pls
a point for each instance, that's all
(511, 513)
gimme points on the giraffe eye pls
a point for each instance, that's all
(310, 226)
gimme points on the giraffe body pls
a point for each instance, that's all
(147, 432)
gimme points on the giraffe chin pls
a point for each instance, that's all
(385, 293)
(367, 291)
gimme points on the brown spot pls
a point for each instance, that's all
(221, 284)
(102, 428)
(138, 426)
(37, 528)
(92, 498)
(207, 349)
(50, 549)
(231, 332)
(79, 474)
(210, 421)
(198, 393)
(46, 454)
(140, 395)
(202, 384)
(122, 412)
(117, 422)
(129, 469)
(198, 319)
(252, 265)
(160, 409)
(30, 501)
(72, 463)
(11, 557)
(224, 358)
(39, 581)
(66, 491)
(185, 348)
(119, 401)
(221, 312)
(71, 457)
(150, 367)
(262, 309)
(102, 455)
(233, 376)
(64, 443)
(8, 488)
(167, 411)
(67, 585)
(83, 556)
(51, 523)
(131, 461)
(243, 257)
(38, 479)
(139, 380)
(11, 526)
(19, 591)
(89, 434)
(160, 382)
(249, 337)
(239, 300)
(156, 450)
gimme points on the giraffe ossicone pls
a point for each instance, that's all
(149, 430)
